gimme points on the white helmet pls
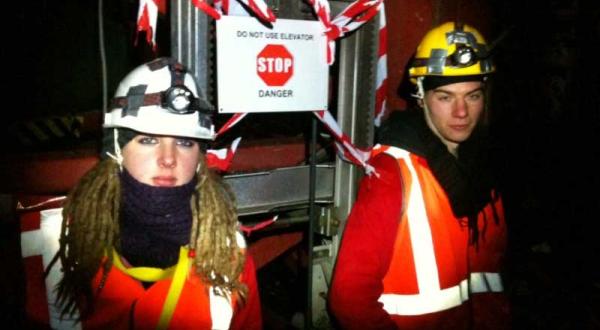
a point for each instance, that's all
(161, 97)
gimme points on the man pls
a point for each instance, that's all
(424, 243)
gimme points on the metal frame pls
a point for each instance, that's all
(280, 189)
(190, 43)
(289, 187)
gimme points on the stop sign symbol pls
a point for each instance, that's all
(275, 65)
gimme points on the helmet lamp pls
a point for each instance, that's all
(464, 56)
(178, 99)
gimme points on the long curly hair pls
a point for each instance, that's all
(90, 229)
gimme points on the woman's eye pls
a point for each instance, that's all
(147, 140)
(188, 143)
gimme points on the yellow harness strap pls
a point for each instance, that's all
(178, 273)
(145, 274)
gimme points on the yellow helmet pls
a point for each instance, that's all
(451, 50)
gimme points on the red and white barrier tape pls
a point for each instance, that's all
(350, 19)
(381, 77)
(249, 229)
(234, 8)
(206, 8)
(221, 158)
(146, 20)
(148, 13)
(346, 150)
(236, 118)
(49, 201)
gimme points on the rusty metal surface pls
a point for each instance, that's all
(282, 188)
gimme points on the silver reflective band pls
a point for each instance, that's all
(443, 299)
(436, 61)
(461, 37)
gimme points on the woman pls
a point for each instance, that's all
(149, 237)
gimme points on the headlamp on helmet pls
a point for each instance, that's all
(463, 56)
(178, 99)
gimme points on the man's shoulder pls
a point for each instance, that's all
(384, 179)
(403, 129)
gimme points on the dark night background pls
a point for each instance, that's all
(547, 116)
(545, 119)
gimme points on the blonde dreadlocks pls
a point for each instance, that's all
(91, 228)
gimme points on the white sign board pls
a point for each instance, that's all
(271, 70)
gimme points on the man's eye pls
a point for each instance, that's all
(188, 143)
(443, 98)
(475, 96)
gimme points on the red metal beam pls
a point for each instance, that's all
(267, 249)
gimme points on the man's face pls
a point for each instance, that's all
(454, 111)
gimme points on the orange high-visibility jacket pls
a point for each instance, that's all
(411, 265)
(123, 302)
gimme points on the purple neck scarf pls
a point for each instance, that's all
(155, 221)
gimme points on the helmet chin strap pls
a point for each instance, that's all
(118, 156)
(420, 94)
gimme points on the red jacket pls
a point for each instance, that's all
(410, 266)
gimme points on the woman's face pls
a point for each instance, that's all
(161, 161)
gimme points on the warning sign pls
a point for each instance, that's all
(275, 65)
(271, 70)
